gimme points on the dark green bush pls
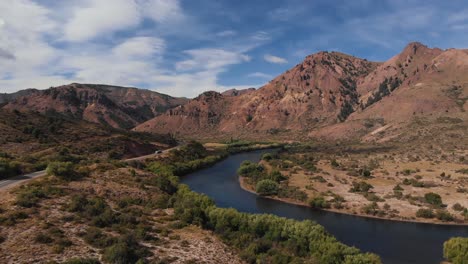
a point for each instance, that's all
(433, 199)
(250, 169)
(444, 216)
(43, 238)
(82, 261)
(63, 170)
(96, 238)
(267, 156)
(319, 202)
(9, 168)
(425, 213)
(361, 186)
(267, 187)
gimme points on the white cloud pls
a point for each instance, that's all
(210, 59)
(101, 16)
(260, 75)
(274, 59)
(161, 10)
(144, 47)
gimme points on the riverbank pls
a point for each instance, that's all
(249, 188)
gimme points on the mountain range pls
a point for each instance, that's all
(328, 95)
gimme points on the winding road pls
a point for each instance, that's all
(8, 183)
(20, 179)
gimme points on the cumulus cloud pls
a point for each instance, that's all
(108, 16)
(274, 59)
(101, 16)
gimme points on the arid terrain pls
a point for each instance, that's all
(398, 183)
(375, 139)
(51, 231)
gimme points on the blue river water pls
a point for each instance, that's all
(395, 242)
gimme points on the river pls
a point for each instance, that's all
(395, 242)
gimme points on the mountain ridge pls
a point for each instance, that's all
(327, 95)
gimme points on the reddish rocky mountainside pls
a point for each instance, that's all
(335, 95)
(119, 107)
(329, 94)
(317, 91)
(235, 92)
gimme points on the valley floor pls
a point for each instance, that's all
(383, 184)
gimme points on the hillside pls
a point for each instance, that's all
(320, 90)
(7, 97)
(30, 140)
(335, 96)
(118, 107)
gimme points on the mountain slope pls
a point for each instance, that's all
(320, 90)
(5, 97)
(334, 95)
(119, 107)
(433, 85)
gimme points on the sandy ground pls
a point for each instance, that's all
(384, 179)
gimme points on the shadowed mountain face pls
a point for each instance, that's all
(331, 94)
(5, 97)
(119, 107)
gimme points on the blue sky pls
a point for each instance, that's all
(184, 47)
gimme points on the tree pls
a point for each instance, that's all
(267, 187)
(456, 250)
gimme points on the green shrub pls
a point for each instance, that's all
(267, 187)
(63, 170)
(276, 176)
(366, 258)
(96, 238)
(444, 216)
(456, 250)
(433, 199)
(9, 168)
(119, 253)
(371, 209)
(361, 186)
(319, 202)
(425, 213)
(335, 164)
(250, 169)
(267, 156)
(81, 261)
(126, 250)
(43, 238)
